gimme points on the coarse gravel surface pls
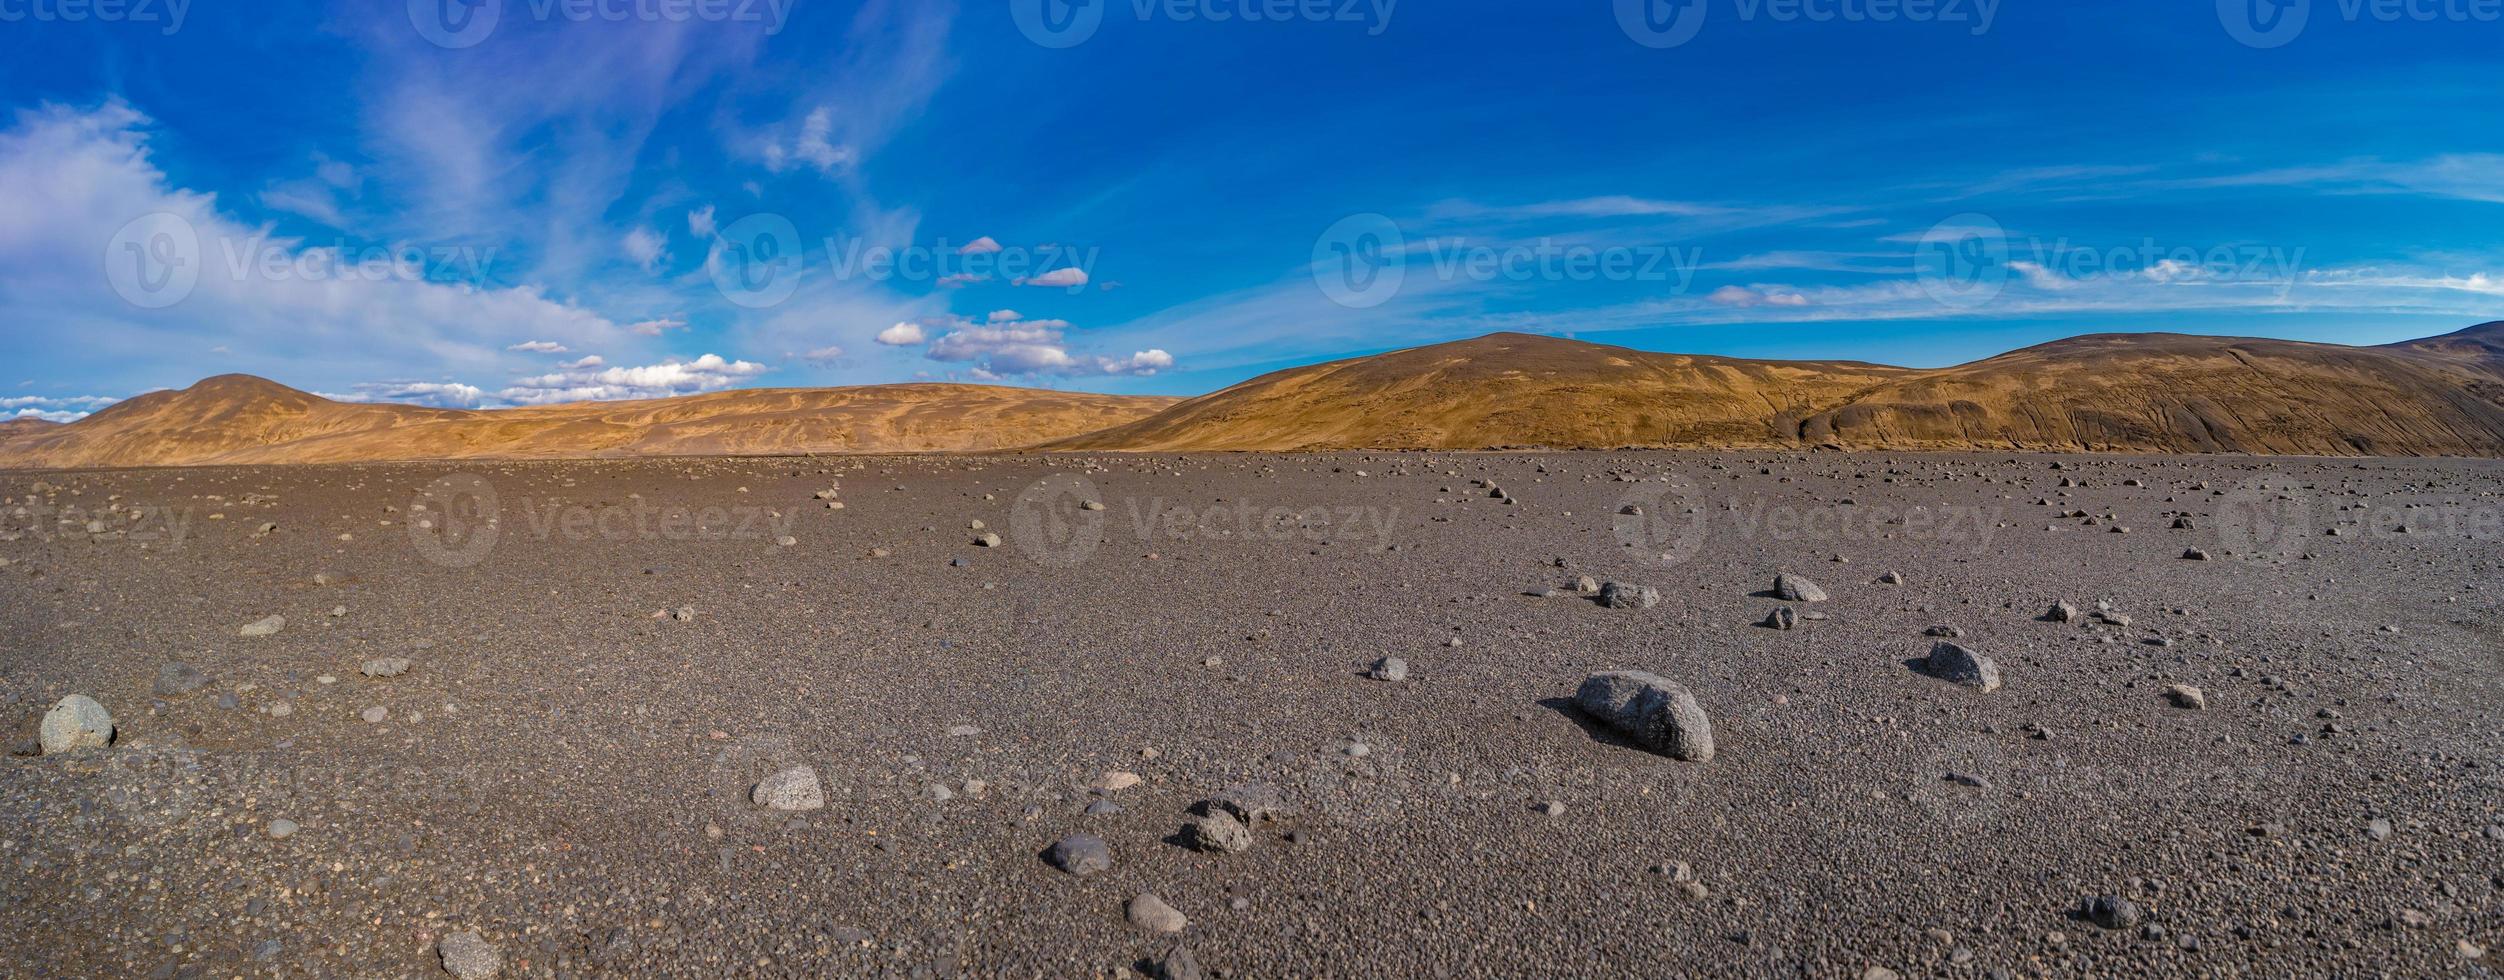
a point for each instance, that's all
(604, 660)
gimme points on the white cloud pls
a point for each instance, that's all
(428, 393)
(72, 180)
(654, 327)
(647, 247)
(1004, 316)
(1069, 278)
(710, 372)
(2466, 176)
(1008, 348)
(1758, 296)
(904, 334)
(821, 356)
(980, 246)
(65, 408)
(700, 222)
(540, 347)
(814, 147)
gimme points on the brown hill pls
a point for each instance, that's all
(2176, 393)
(14, 431)
(2109, 392)
(243, 419)
(1505, 389)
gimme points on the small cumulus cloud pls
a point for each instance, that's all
(433, 394)
(904, 334)
(1069, 278)
(710, 372)
(540, 347)
(66, 408)
(647, 247)
(1760, 296)
(980, 246)
(814, 147)
(653, 328)
(1012, 347)
(700, 222)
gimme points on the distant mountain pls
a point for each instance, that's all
(1505, 389)
(243, 419)
(2101, 393)
(2177, 393)
(19, 430)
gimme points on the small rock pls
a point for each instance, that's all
(1113, 782)
(375, 715)
(1079, 854)
(263, 627)
(1152, 914)
(1220, 831)
(2113, 912)
(282, 828)
(1782, 618)
(1251, 804)
(987, 540)
(1390, 669)
(1792, 588)
(385, 667)
(1627, 595)
(466, 955)
(1951, 632)
(2194, 554)
(1553, 808)
(2187, 696)
(2062, 612)
(1890, 578)
(796, 788)
(1953, 662)
(1655, 712)
(1178, 965)
(76, 722)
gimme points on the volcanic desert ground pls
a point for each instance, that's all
(1254, 715)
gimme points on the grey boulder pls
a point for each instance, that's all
(77, 722)
(1658, 714)
(1953, 662)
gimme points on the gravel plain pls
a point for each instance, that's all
(602, 665)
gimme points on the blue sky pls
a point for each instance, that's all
(526, 201)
